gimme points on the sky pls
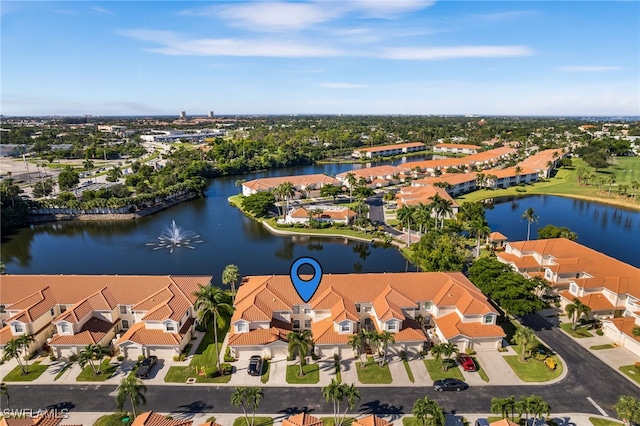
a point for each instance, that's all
(320, 57)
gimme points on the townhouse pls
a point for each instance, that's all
(416, 195)
(454, 183)
(331, 214)
(544, 161)
(388, 150)
(611, 288)
(302, 184)
(455, 148)
(375, 176)
(509, 176)
(133, 315)
(418, 308)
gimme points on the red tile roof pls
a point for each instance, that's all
(92, 332)
(302, 419)
(370, 421)
(389, 147)
(154, 419)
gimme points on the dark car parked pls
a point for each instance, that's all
(146, 366)
(449, 385)
(255, 366)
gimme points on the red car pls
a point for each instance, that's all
(467, 363)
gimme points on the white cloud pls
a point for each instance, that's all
(589, 68)
(101, 11)
(344, 85)
(502, 16)
(435, 53)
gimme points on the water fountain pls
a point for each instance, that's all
(174, 237)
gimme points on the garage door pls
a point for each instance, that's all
(485, 345)
(279, 352)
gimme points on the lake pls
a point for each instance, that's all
(230, 237)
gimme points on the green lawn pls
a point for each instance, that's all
(436, 373)
(565, 183)
(533, 370)
(337, 366)
(632, 372)
(329, 421)
(258, 421)
(205, 356)
(106, 371)
(409, 372)
(372, 373)
(67, 366)
(578, 333)
(599, 347)
(481, 372)
(266, 370)
(35, 370)
(111, 420)
(595, 421)
(311, 374)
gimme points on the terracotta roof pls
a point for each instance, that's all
(511, 172)
(456, 145)
(410, 332)
(451, 326)
(302, 419)
(626, 325)
(450, 178)
(49, 420)
(259, 337)
(5, 334)
(341, 214)
(92, 332)
(596, 301)
(370, 421)
(266, 184)
(324, 332)
(389, 147)
(524, 262)
(102, 300)
(503, 422)
(174, 308)
(154, 419)
(34, 306)
(137, 333)
(371, 173)
(414, 195)
(540, 160)
(497, 236)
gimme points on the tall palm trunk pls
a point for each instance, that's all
(133, 406)
(215, 339)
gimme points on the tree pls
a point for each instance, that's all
(576, 310)
(13, 349)
(428, 412)
(214, 309)
(330, 190)
(384, 339)
(353, 396)
(439, 251)
(552, 231)
(635, 331)
(68, 178)
(480, 229)
(335, 393)
(239, 183)
(238, 399)
(442, 207)
(406, 214)
(628, 409)
(530, 216)
(301, 343)
(526, 338)
(230, 277)
(422, 216)
(91, 353)
(87, 164)
(131, 387)
(443, 352)
(259, 204)
(254, 395)
(356, 341)
(351, 182)
(114, 174)
(502, 406)
(4, 390)
(537, 406)
(285, 190)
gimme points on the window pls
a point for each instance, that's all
(125, 324)
(63, 308)
(242, 327)
(296, 324)
(123, 309)
(367, 309)
(392, 326)
(19, 328)
(357, 307)
(64, 328)
(53, 312)
(573, 288)
(345, 327)
(296, 309)
(488, 319)
(428, 305)
(3, 309)
(307, 311)
(307, 324)
(170, 327)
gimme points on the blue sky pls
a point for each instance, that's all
(308, 57)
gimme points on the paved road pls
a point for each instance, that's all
(376, 214)
(587, 377)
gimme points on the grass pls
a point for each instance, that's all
(595, 421)
(372, 373)
(409, 372)
(481, 372)
(336, 365)
(632, 372)
(258, 421)
(266, 370)
(599, 347)
(578, 333)
(67, 366)
(111, 420)
(311, 374)
(565, 183)
(205, 356)
(35, 370)
(533, 370)
(434, 368)
(106, 371)
(330, 421)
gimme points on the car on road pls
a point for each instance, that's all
(449, 384)
(482, 422)
(255, 366)
(467, 363)
(146, 366)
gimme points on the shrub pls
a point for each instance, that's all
(541, 357)
(140, 358)
(225, 369)
(176, 358)
(227, 355)
(470, 351)
(73, 358)
(637, 365)
(599, 332)
(521, 189)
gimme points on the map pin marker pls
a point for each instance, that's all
(306, 289)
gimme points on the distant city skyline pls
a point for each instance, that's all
(358, 57)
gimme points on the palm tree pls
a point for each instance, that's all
(423, 216)
(610, 180)
(254, 395)
(286, 191)
(428, 412)
(239, 183)
(230, 277)
(87, 164)
(628, 409)
(12, 349)
(406, 214)
(114, 174)
(635, 331)
(353, 396)
(502, 405)
(442, 208)
(5, 391)
(480, 229)
(531, 216)
(481, 179)
(334, 393)
(132, 388)
(384, 339)
(576, 310)
(89, 354)
(214, 309)
(525, 337)
(443, 352)
(537, 406)
(238, 398)
(518, 171)
(301, 343)
(22, 344)
(351, 181)
(356, 341)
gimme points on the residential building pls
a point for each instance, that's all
(48, 419)
(331, 214)
(302, 419)
(388, 150)
(135, 315)
(154, 419)
(377, 175)
(302, 184)
(419, 308)
(455, 148)
(416, 195)
(454, 183)
(510, 176)
(611, 288)
(371, 420)
(543, 162)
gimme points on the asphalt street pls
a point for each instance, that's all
(587, 377)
